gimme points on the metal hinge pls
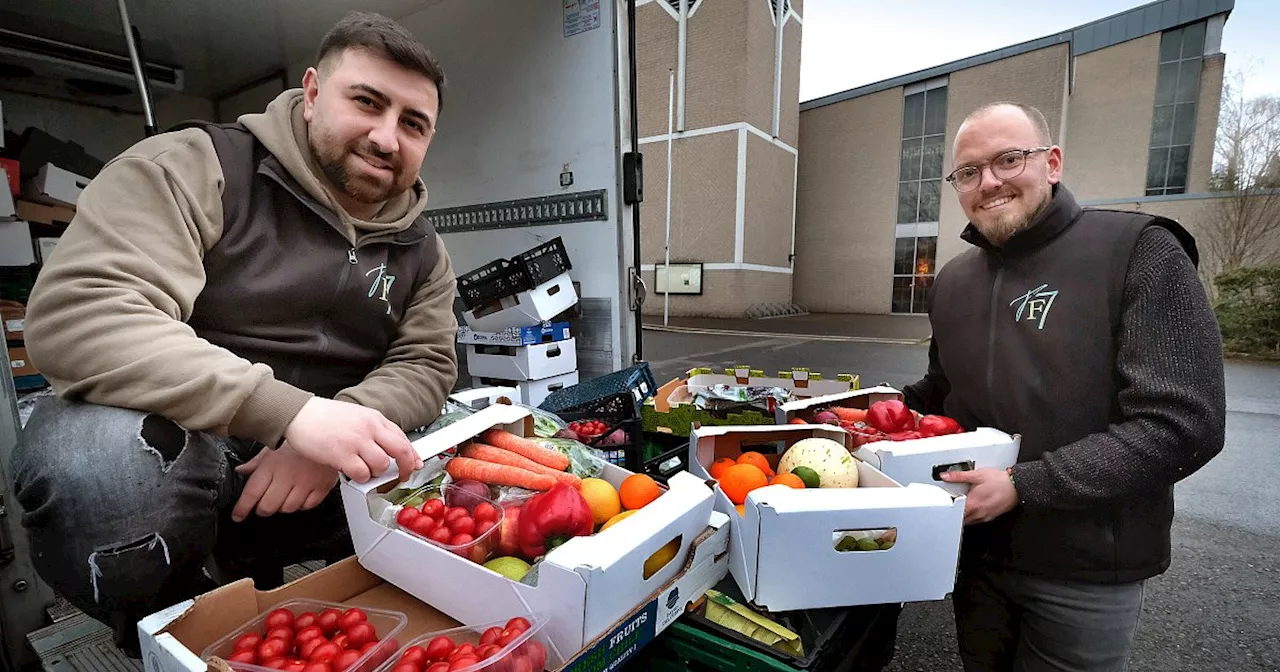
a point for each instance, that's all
(636, 290)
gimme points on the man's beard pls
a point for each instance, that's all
(360, 188)
(999, 230)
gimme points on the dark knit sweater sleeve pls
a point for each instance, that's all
(926, 395)
(1171, 391)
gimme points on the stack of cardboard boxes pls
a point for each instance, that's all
(509, 337)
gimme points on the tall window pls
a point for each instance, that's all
(924, 127)
(1174, 123)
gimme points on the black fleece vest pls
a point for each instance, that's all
(284, 286)
(1028, 341)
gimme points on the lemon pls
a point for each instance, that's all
(660, 558)
(615, 519)
(603, 499)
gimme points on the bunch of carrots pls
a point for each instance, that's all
(502, 458)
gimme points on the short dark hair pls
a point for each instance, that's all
(1035, 116)
(385, 38)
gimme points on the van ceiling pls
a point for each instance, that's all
(220, 44)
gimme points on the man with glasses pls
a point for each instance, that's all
(1087, 333)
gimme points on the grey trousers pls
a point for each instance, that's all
(127, 512)
(1013, 622)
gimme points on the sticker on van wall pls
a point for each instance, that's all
(581, 16)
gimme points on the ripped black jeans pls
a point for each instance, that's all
(126, 510)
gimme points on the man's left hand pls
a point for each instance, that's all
(282, 481)
(991, 493)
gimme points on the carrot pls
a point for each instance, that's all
(797, 421)
(522, 446)
(849, 414)
(497, 474)
(483, 451)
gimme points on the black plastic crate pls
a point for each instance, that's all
(617, 392)
(545, 261)
(629, 454)
(496, 280)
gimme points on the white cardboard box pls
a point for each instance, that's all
(477, 398)
(532, 335)
(7, 208)
(782, 552)
(45, 247)
(15, 244)
(523, 362)
(586, 585)
(920, 460)
(533, 391)
(527, 308)
(801, 382)
(54, 184)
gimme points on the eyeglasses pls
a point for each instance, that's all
(1005, 167)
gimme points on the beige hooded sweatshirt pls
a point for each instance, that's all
(106, 322)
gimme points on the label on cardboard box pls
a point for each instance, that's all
(15, 326)
(517, 336)
(621, 644)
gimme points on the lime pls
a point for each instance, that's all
(809, 476)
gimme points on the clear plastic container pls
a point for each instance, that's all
(386, 625)
(481, 546)
(530, 651)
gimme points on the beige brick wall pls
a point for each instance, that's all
(656, 40)
(704, 180)
(717, 52)
(769, 201)
(846, 204)
(724, 294)
(789, 119)
(1201, 168)
(1109, 128)
(758, 76)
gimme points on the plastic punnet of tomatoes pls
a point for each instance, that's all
(515, 645)
(459, 520)
(312, 636)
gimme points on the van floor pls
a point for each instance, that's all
(76, 643)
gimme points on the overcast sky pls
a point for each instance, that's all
(848, 43)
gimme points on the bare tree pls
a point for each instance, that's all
(1244, 226)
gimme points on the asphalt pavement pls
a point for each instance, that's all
(1218, 606)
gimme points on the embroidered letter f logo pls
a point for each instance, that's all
(1035, 305)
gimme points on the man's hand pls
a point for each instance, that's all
(353, 439)
(282, 481)
(991, 493)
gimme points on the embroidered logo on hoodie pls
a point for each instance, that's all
(381, 284)
(1034, 306)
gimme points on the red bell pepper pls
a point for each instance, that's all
(939, 425)
(891, 416)
(552, 518)
(909, 435)
(863, 434)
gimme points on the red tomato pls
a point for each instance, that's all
(520, 664)
(343, 641)
(346, 660)
(281, 633)
(462, 662)
(295, 665)
(367, 647)
(463, 650)
(309, 647)
(433, 508)
(453, 512)
(508, 635)
(481, 528)
(424, 525)
(463, 524)
(273, 648)
(249, 640)
(407, 515)
(328, 621)
(518, 622)
(437, 667)
(325, 653)
(244, 656)
(307, 634)
(461, 540)
(318, 667)
(536, 653)
(441, 535)
(351, 617)
(361, 634)
(440, 648)
(414, 654)
(406, 667)
(276, 663)
(304, 620)
(491, 635)
(487, 651)
(485, 511)
(279, 618)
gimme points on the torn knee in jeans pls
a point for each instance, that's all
(130, 568)
(163, 437)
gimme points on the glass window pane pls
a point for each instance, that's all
(1188, 81)
(1170, 45)
(913, 115)
(931, 167)
(930, 198)
(926, 255)
(1162, 126)
(1184, 125)
(1193, 40)
(909, 165)
(904, 252)
(908, 198)
(1178, 159)
(935, 111)
(901, 295)
(924, 287)
(1157, 167)
(1166, 83)
(1175, 190)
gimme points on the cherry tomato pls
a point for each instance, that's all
(281, 633)
(406, 667)
(367, 647)
(307, 634)
(343, 641)
(463, 524)
(309, 647)
(249, 640)
(414, 654)
(276, 663)
(508, 635)
(437, 667)
(244, 656)
(490, 636)
(295, 665)
(273, 648)
(279, 618)
(521, 664)
(361, 634)
(328, 621)
(536, 653)
(441, 535)
(318, 667)
(424, 525)
(487, 651)
(433, 508)
(346, 659)
(351, 617)
(518, 622)
(305, 620)
(407, 515)
(440, 648)
(481, 528)
(453, 512)
(461, 540)
(462, 662)
(463, 650)
(325, 653)
(485, 511)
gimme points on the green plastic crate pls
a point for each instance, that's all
(684, 647)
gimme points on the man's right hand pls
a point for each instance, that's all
(357, 441)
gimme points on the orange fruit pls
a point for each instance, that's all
(740, 479)
(788, 479)
(720, 465)
(754, 458)
(602, 498)
(637, 490)
(742, 510)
